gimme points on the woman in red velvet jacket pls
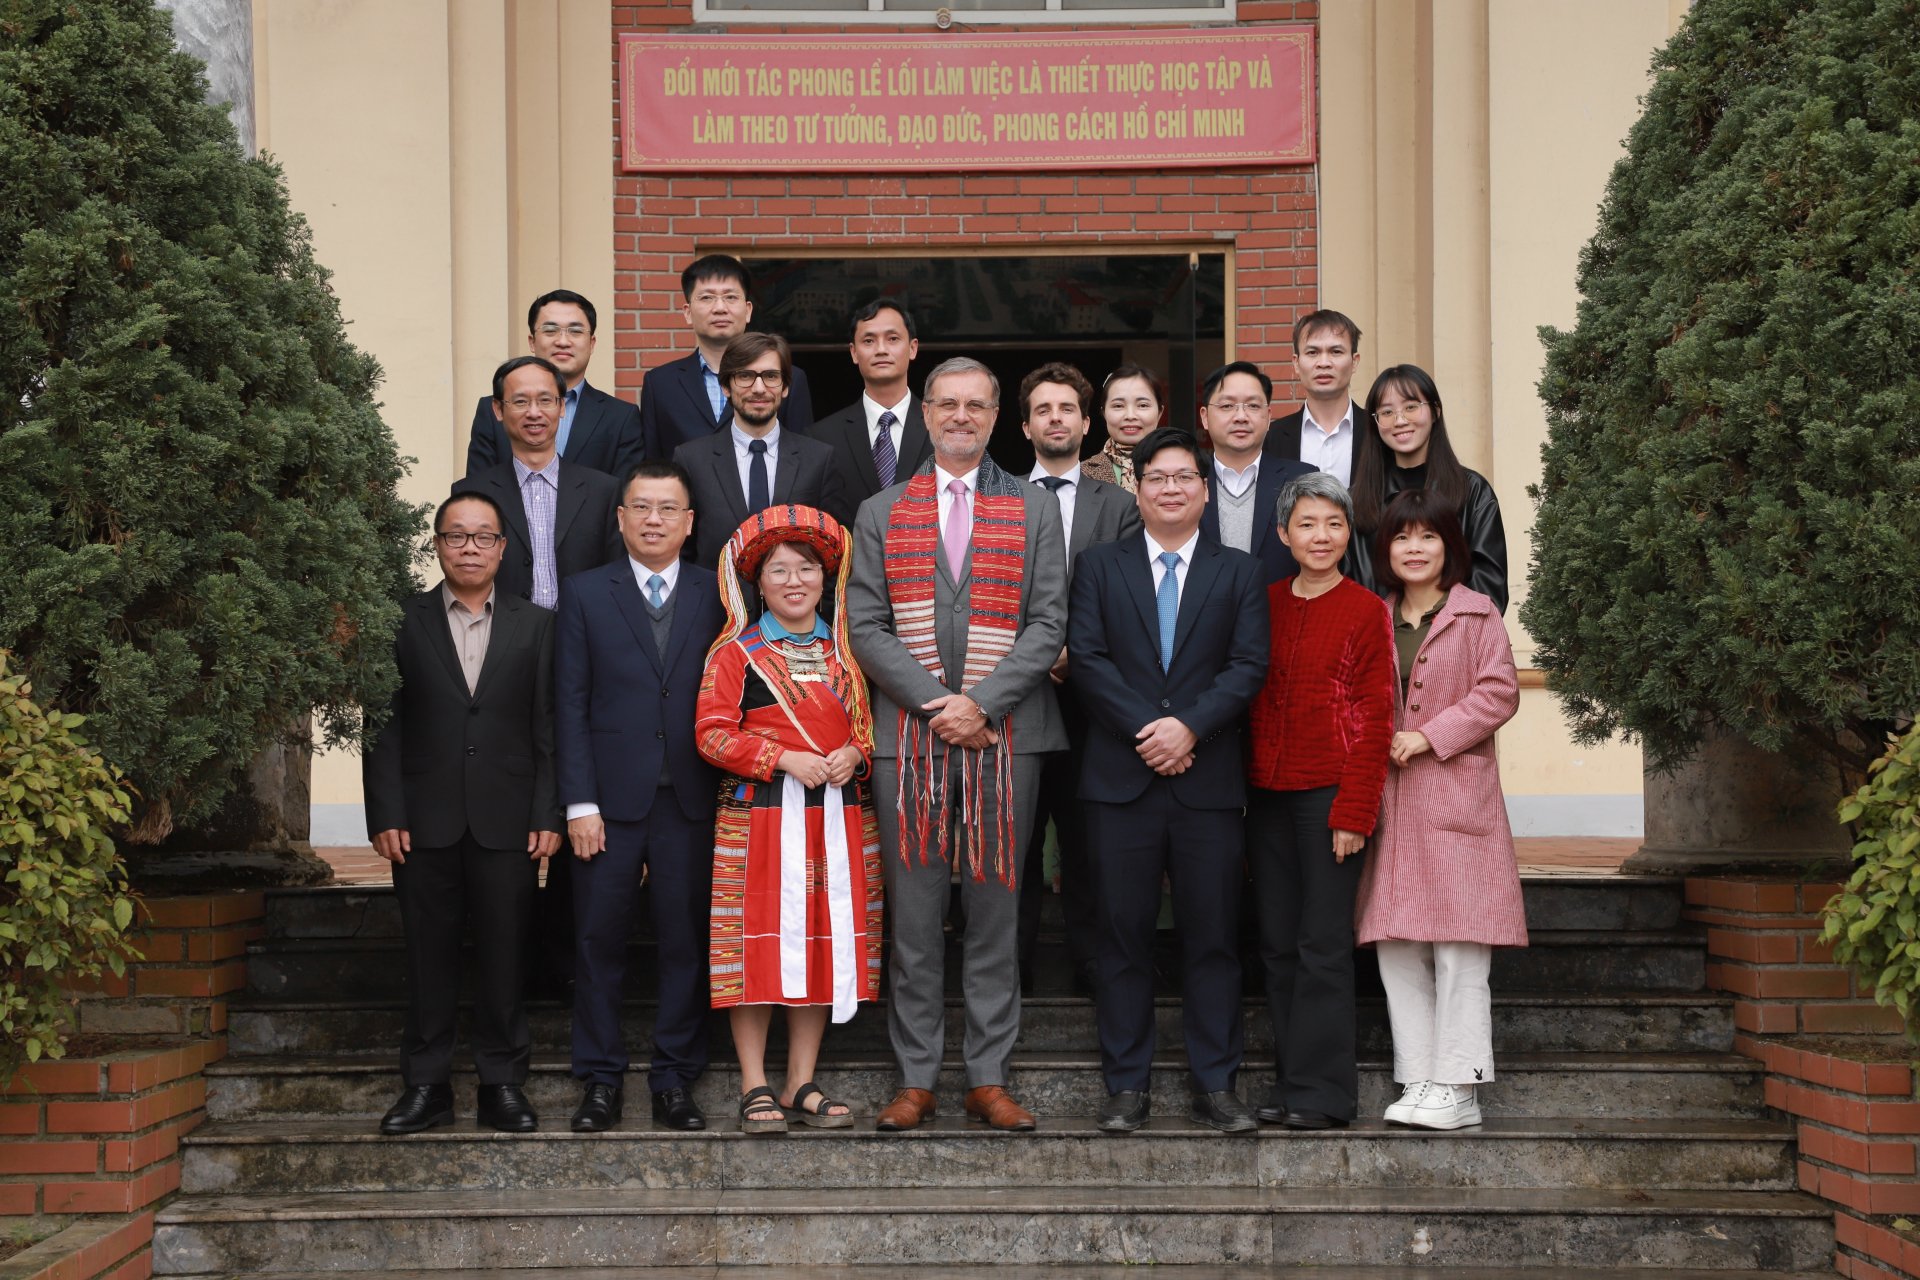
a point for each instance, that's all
(1321, 725)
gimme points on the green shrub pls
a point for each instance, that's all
(64, 910)
(1874, 923)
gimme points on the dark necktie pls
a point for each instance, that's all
(1054, 484)
(885, 460)
(757, 495)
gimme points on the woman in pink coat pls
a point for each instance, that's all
(1441, 890)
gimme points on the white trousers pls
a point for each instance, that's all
(1440, 1009)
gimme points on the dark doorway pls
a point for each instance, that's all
(1013, 314)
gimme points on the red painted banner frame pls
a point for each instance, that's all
(682, 100)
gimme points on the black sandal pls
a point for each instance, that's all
(818, 1117)
(760, 1112)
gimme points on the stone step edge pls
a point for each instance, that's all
(357, 1131)
(1695, 1063)
(955, 1201)
(1056, 1271)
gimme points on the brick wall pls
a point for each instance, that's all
(662, 222)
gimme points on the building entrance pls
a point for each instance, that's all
(1165, 311)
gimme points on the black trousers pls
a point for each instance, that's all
(551, 955)
(439, 890)
(1305, 903)
(677, 856)
(1200, 851)
(1059, 791)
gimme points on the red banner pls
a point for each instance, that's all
(1014, 100)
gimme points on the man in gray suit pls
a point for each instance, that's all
(957, 611)
(1054, 402)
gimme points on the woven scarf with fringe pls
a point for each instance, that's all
(999, 551)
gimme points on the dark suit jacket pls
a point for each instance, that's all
(605, 435)
(1267, 547)
(1283, 434)
(624, 711)
(674, 410)
(585, 534)
(1220, 643)
(449, 762)
(1102, 512)
(846, 431)
(805, 474)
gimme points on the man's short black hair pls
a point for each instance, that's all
(521, 362)
(499, 516)
(716, 266)
(867, 312)
(1225, 371)
(1159, 440)
(562, 295)
(657, 469)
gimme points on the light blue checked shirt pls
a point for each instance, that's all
(540, 497)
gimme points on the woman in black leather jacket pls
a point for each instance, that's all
(1408, 449)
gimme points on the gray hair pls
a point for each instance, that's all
(1314, 484)
(959, 364)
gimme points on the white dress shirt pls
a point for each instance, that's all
(1068, 494)
(671, 576)
(1185, 552)
(873, 410)
(1237, 482)
(1330, 451)
(743, 455)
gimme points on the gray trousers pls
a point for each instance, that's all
(917, 899)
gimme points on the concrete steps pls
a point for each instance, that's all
(907, 1227)
(1622, 1138)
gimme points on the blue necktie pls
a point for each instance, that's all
(656, 590)
(885, 460)
(1169, 601)
(757, 498)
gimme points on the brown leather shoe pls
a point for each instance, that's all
(909, 1109)
(995, 1106)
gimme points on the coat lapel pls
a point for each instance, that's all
(626, 598)
(506, 621)
(786, 471)
(691, 593)
(587, 417)
(572, 498)
(916, 446)
(1138, 571)
(727, 473)
(1193, 595)
(431, 609)
(507, 494)
(862, 449)
(1266, 498)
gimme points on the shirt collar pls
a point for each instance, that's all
(1072, 477)
(670, 574)
(1184, 551)
(450, 601)
(550, 473)
(1241, 477)
(1345, 423)
(943, 477)
(874, 408)
(743, 443)
(770, 629)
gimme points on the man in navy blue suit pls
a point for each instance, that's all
(683, 400)
(1168, 635)
(595, 429)
(629, 649)
(1246, 476)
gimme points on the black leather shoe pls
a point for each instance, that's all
(1272, 1113)
(1223, 1111)
(675, 1109)
(421, 1107)
(599, 1109)
(1125, 1111)
(505, 1107)
(1312, 1120)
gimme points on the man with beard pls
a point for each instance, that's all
(754, 464)
(1054, 402)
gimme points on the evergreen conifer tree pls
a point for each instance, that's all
(1729, 518)
(203, 542)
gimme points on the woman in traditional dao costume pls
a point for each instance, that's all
(797, 888)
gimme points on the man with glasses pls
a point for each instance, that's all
(754, 463)
(630, 648)
(684, 399)
(957, 610)
(1244, 481)
(594, 429)
(460, 796)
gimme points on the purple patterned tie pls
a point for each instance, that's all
(959, 526)
(885, 460)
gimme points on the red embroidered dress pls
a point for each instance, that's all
(797, 889)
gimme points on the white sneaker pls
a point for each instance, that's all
(1446, 1106)
(1402, 1111)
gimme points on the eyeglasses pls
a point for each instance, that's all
(974, 408)
(807, 572)
(1161, 479)
(1401, 413)
(665, 510)
(551, 330)
(1234, 407)
(546, 403)
(459, 538)
(731, 299)
(747, 377)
